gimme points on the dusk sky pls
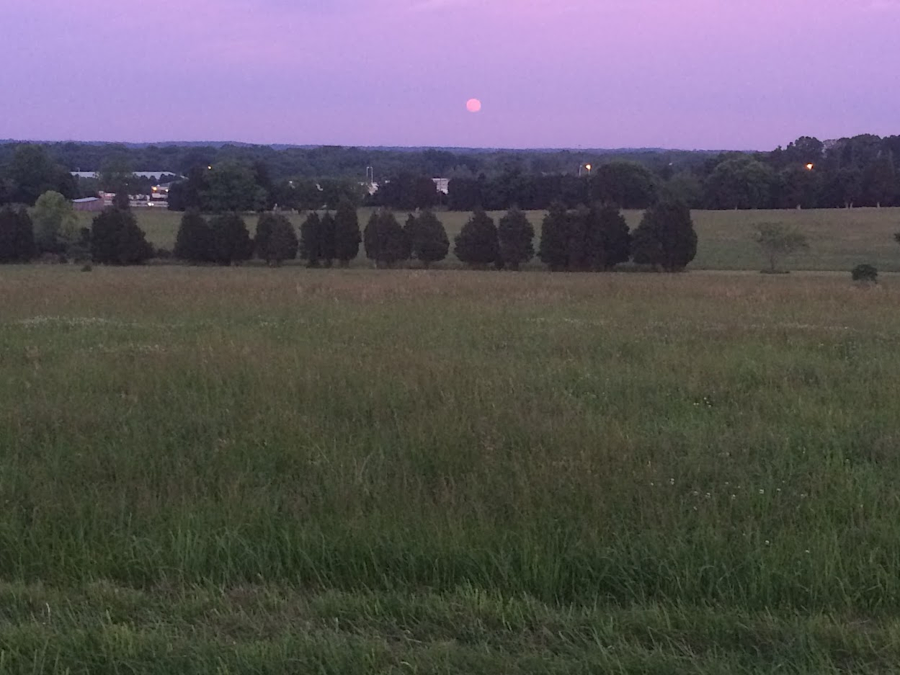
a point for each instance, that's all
(712, 74)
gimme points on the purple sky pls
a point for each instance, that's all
(551, 73)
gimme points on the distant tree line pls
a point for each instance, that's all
(343, 162)
(808, 173)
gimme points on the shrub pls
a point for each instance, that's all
(865, 273)
(477, 244)
(666, 237)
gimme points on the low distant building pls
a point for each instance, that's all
(152, 175)
(88, 204)
(156, 175)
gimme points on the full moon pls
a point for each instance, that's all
(473, 105)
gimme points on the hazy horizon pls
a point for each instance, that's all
(551, 74)
(485, 148)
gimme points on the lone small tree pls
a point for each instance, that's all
(778, 241)
(16, 235)
(347, 236)
(477, 243)
(429, 239)
(554, 246)
(310, 239)
(516, 239)
(280, 243)
(194, 242)
(231, 239)
(666, 237)
(327, 239)
(55, 224)
(116, 239)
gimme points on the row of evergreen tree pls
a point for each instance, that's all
(584, 239)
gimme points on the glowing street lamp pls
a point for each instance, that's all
(810, 166)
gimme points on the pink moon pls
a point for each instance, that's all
(473, 105)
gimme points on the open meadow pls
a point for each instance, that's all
(255, 470)
(839, 239)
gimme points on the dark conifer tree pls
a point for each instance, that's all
(194, 242)
(477, 244)
(516, 239)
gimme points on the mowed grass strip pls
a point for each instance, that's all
(839, 239)
(674, 448)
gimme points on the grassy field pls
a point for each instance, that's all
(265, 471)
(839, 239)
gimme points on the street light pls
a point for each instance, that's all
(810, 166)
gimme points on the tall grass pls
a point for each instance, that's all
(705, 441)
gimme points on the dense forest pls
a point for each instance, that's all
(808, 173)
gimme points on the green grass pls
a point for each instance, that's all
(839, 239)
(255, 470)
